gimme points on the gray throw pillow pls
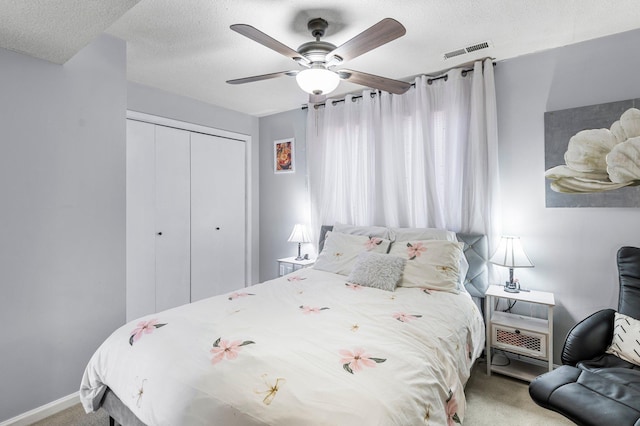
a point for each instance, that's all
(377, 270)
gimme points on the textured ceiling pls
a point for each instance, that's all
(56, 30)
(186, 46)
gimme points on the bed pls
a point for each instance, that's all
(312, 347)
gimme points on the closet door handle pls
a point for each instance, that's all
(159, 233)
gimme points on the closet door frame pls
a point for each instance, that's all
(183, 125)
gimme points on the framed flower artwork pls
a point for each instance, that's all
(284, 156)
(592, 155)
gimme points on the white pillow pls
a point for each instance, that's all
(626, 335)
(432, 264)
(369, 231)
(377, 270)
(418, 234)
(341, 251)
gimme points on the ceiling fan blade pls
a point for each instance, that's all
(262, 77)
(375, 81)
(381, 33)
(270, 42)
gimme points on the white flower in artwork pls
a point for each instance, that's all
(623, 162)
(601, 159)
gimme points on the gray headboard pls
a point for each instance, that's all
(476, 250)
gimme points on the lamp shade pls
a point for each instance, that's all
(511, 254)
(299, 234)
(317, 81)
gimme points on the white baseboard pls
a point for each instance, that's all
(43, 411)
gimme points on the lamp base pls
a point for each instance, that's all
(510, 287)
(299, 252)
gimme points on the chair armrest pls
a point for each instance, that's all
(589, 338)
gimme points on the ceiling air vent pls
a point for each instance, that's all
(455, 53)
(469, 49)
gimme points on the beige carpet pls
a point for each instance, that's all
(503, 401)
(491, 401)
(75, 416)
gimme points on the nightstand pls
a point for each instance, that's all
(289, 264)
(519, 334)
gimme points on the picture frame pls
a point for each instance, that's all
(577, 124)
(284, 156)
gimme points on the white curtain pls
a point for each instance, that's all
(427, 158)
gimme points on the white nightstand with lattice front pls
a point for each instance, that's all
(290, 264)
(519, 334)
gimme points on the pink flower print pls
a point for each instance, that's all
(452, 410)
(225, 349)
(144, 327)
(403, 317)
(354, 287)
(372, 243)
(415, 250)
(311, 310)
(357, 359)
(295, 278)
(235, 295)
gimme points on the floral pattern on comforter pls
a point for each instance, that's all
(307, 348)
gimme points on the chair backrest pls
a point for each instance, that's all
(629, 273)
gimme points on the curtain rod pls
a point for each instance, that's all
(440, 76)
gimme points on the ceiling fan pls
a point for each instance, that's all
(319, 59)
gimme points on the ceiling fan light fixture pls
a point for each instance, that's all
(318, 81)
(320, 57)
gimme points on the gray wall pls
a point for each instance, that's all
(62, 221)
(573, 248)
(283, 197)
(163, 104)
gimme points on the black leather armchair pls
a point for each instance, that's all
(592, 387)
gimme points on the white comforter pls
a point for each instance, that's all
(304, 349)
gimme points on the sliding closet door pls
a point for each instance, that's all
(141, 200)
(217, 215)
(172, 231)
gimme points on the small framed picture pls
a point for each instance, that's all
(284, 156)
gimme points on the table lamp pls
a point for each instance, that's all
(511, 255)
(299, 235)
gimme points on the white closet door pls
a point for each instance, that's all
(172, 233)
(217, 215)
(141, 258)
